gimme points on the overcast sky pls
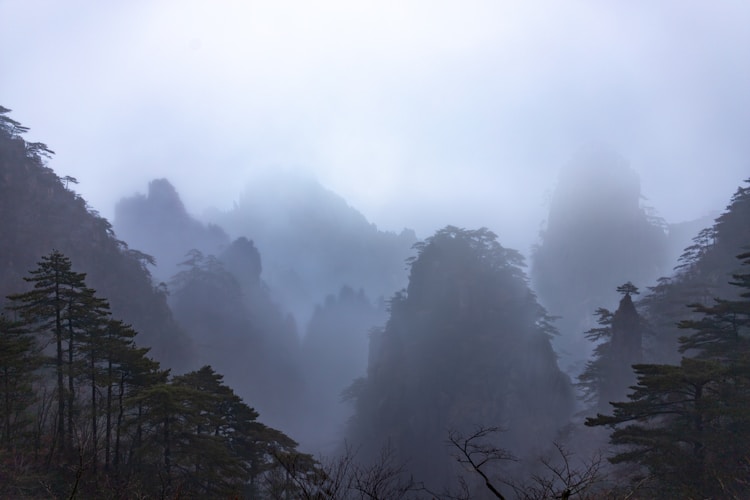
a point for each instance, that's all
(420, 114)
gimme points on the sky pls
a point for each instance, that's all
(419, 113)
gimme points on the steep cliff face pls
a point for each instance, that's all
(598, 235)
(466, 345)
(159, 224)
(225, 308)
(313, 242)
(334, 353)
(41, 212)
(244, 302)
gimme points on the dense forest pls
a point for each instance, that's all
(288, 348)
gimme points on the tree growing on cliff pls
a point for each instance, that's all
(618, 339)
(688, 425)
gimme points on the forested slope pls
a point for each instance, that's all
(41, 211)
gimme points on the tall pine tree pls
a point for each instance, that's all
(44, 310)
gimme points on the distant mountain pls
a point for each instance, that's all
(219, 298)
(334, 353)
(159, 224)
(313, 242)
(296, 245)
(598, 236)
(226, 309)
(41, 212)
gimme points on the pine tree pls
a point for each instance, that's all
(719, 331)
(136, 373)
(44, 310)
(88, 324)
(688, 425)
(703, 274)
(619, 346)
(214, 469)
(595, 371)
(19, 361)
(119, 346)
(208, 441)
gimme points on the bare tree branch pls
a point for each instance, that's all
(473, 450)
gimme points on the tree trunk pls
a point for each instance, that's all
(108, 429)
(71, 393)
(94, 437)
(59, 366)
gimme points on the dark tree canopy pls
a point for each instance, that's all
(102, 419)
(706, 271)
(688, 424)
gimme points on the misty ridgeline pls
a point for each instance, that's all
(287, 348)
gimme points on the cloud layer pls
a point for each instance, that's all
(419, 113)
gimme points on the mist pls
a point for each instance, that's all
(385, 224)
(417, 114)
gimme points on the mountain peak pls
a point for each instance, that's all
(162, 194)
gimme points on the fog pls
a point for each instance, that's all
(419, 114)
(384, 223)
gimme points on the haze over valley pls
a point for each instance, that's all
(395, 250)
